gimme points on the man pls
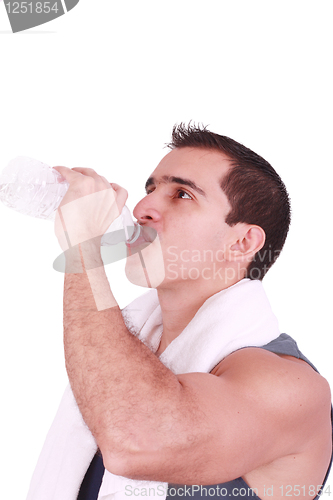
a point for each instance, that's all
(259, 417)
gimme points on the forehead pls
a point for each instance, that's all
(205, 167)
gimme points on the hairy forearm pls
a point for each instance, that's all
(120, 386)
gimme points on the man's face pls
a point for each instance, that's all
(187, 207)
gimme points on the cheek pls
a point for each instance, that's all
(220, 237)
(195, 235)
(211, 236)
(146, 268)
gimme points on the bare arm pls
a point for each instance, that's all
(189, 429)
(149, 423)
(119, 384)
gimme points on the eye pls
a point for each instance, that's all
(180, 194)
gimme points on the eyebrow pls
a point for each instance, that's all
(168, 179)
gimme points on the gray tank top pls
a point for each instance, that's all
(238, 488)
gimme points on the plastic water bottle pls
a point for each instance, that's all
(36, 189)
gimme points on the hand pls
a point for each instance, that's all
(88, 208)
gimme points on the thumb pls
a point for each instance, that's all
(121, 195)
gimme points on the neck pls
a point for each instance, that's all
(179, 304)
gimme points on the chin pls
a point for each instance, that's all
(135, 272)
(146, 268)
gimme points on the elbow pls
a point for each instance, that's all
(121, 462)
(115, 457)
(132, 461)
(125, 465)
(116, 464)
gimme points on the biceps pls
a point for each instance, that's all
(212, 435)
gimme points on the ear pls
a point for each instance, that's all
(250, 240)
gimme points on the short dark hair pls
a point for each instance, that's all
(254, 190)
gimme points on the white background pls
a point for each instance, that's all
(101, 87)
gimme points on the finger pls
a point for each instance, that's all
(105, 180)
(90, 172)
(66, 173)
(71, 174)
(83, 169)
(121, 193)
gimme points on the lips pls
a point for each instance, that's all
(147, 235)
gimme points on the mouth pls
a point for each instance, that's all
(148, 233)
(146, 236)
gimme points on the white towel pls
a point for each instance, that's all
(237, 317)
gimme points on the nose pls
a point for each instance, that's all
(147, 210)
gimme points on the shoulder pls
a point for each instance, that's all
(281, 385)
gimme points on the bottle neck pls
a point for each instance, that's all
(133, 234)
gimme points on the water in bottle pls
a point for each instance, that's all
(33, 188)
